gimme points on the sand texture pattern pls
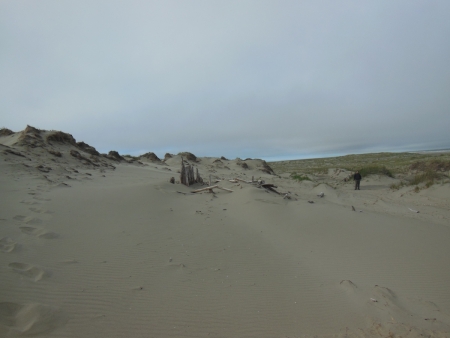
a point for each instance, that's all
(98, 245)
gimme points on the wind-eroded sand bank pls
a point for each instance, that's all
(91, 251)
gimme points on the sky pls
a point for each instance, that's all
(250, 78)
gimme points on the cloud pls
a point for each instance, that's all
(234, 78)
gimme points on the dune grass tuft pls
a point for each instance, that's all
(300, 178)
(375, 170)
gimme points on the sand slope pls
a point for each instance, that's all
(116, 251)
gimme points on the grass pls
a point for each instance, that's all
(428, 177)
(395, 163)
(300, 178)
(413, 169)
(397, 186)
(375, 170)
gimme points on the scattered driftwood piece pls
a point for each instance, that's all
(224, 189)
(172, 180)
(203, 189)
(416, 211)
(374, 300)
(210, 188)
(321, 195)
(311, 202)
(14, 152)
(185, 193)
(233, 181)
(239, 179)
(353, 208)
(270, 187)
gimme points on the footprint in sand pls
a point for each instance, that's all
(40, 211)
(33, 272)
(29, 319)
(41, 233)
(348, 286)
(7, 245)
(27, 219)
(30, 202)
(41, 198)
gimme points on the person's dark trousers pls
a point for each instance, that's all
(357, 184)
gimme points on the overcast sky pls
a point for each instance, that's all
(261, 79)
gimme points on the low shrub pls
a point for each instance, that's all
(428, 176)
(375, 170)
(397, 186)
(300, 178)
(433, 165)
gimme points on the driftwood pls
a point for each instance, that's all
(270, 187)
(238, 179)
(224, 189)
(210, 188)
(204, 189)
(184, 193)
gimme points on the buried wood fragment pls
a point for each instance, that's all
(203, 189)
(224, 189)
(239, 179)
(210, 188)
(268, 185)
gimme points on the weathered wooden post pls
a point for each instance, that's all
(182, 173)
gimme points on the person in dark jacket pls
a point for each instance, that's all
(357, 177)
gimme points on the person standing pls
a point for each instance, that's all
(357, 177)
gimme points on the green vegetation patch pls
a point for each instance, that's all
(395, 163)
(433, 165)
(300, 178)
(427, 177)
(375, 170)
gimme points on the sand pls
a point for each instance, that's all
(109, 248)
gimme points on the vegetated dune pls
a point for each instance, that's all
(104, 245)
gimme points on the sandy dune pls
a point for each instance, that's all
(98, 246)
